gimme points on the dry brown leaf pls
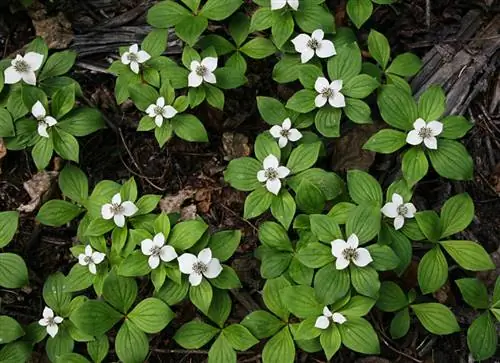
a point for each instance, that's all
(3, 152)
(38, 188)
(55, 30)
(189, 212)
(173, 203)
(235, 145)
(348, 150)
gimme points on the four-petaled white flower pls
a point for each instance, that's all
(197, 267)
(118, 210)
(285, 132)
(323, 321)
(24, 68)
(280, 4)
(44, 121)
(307, 46)
(272, 173)
(91, 259)
(345, 252)
(399, 210)
(203, 71)
(160, 112)
(157, 250)
(50, 321)
(425, 132)
(134, 57)
(329, 92)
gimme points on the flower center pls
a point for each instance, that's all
(425, 132)
(22, 66)
(350, 254)
(155, 251)
(402, 210)
(313, 44)
(132, 57)
(199, 268)
(284, 133)
(327, 92)
(201, 70)
(271, 173)
(87, 259)
(116, 208)
(50, 321)
(158, 110)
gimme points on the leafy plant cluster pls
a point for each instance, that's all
(338, 247)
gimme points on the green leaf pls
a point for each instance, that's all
(185, 234)
(330, 340)
(303, 157)
(312, 16)
(364, 222)
(229, 78)
(473, 292)
(228, 279)
(195, 334)
(262, 19)
(414, 165)
(325, 228)
(400, 324)
(98, 349)
(19, 351)
(397, 108)
(66, 145)
(386, 141)
(119, 291)
(365, 280)
(13, 271)
(79, 278)
(302, 101)
(405, 65)
(239, 28)
(308, 74)
(155, 43)
(359, 11)
(220, 9)
(57, 64)
(432, 270)
(300, 300)
(357, 111)
(215, 97)
(469, 255)
(456, 215)
(173, 293)
(10, 329)
(436, 318)
(280, 348)
(315, 255)
(220, 307)
(282, 27)
(95, 317)
(54, 294)
(82, 121)
(221, 351)
(6, 124)
(432, 103)
(364, 188)
(359, 335)
(257, 202)
(379, 48)
(61, 344)
(346, 64)
(74, 184)
(391, 297)
(271, 110)
(241, 174)
(8, 227)
(143, 95)
(190, 28)
(151, 315)
(272, 295)
(327, 121)
(189, 128)
(287, 69)
(384, 258)
(71, 358)
(274, 263)
(274, 236)
(131, 344)
(455, 127)
(358, 306)
(360, 86)
(201, 295)
(482, 338)
(42, 152)
(63, 101)
(331, 284)
(258, 48)
(224, 243)
(262, 324)
(300, 273)
(266, 145)
(239, 337)
(430, 224)
(283, 208)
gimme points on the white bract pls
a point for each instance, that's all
(118, 210)
(160, 112)
(203, 71)
(91, 259)
(23, 68)
(44, 121)
(134, 57)
(156, 250)
(425, 132)
(323, 321)
(307, 46)
(50, 321)
(399, 210)
(197, 267)
(347, 252)
(272, 173)
(285, 132)
(280, 4)
(329, 92)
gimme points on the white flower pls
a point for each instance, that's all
(157, 250)
(118, 210)
(280, 4)
(323, 321)
(24, 68)
(425, 132)
(399, 210)
(345, 252)
(285, 132)
(307, 46)
(329, 92)
(134, 57)
(160, 112)
(91, 259)
(272, 173)
(197, 267)
(44, 121)
(202, 72)
(50, 321)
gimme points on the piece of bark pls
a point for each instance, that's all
(462, 65)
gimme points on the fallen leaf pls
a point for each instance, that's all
(189, 212)
(55, 30)
(39, 187)
(348, 150)
(3, 152)
(235, 145)
(173, 203)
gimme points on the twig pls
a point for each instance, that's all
(428, 13)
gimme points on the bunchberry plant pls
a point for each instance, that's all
(13, 270)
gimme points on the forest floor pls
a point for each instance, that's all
(190, 174)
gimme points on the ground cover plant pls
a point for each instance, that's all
(335, 250)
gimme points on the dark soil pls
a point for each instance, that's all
(120, 152)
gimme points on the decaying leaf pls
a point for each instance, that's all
(348, 150)
(235, 145)
(55, 30)
(173, 203)
(39, 187)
